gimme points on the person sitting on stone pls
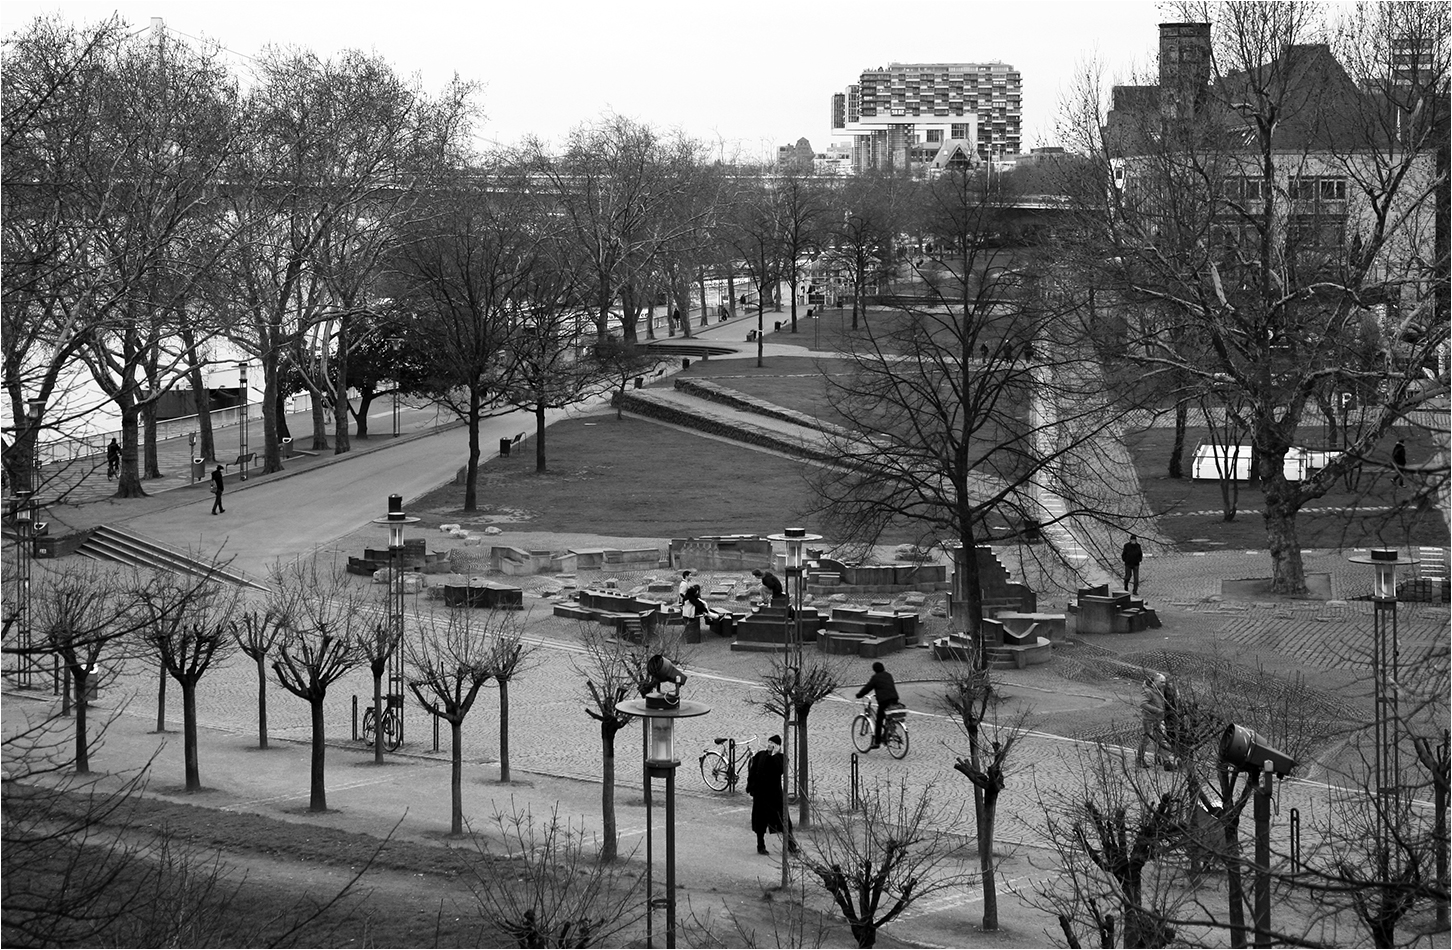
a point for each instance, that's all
(769, 584)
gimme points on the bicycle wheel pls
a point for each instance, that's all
(715, 771)
(862, 733)
(897, 740)
(392, 731)
(367, 730)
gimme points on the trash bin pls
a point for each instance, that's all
(778, 326)
(504, 448)
(639, 381)
(199, 469)
(287, 446)
(685, 364)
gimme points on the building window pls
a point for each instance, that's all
(1304, 231)
(1311, 188)
(935, 136)
(1333, 189)
(1244, 188)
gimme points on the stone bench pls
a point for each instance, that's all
(1049, 625)
(487, 594)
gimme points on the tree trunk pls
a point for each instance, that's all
(609, 846)
(504, 731)
(804, 808)
(320, 420)
(1177, 451)
(701, 287)
(79, 677)
(161, 700)
(1288, 574)
(456, 776)
(128, 481)
(366, 396)
(865, 934)
(271, 409)
(986, 862)
(201, 398)
(340, 400)
(261, 701)
(318, 800)
(151, 466)
(730, 291)
(539, 438)
(189, 734)
(792, 287)
(471, 470)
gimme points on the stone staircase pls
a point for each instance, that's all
(110, 543)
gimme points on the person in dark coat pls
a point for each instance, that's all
(885, 691)
(217, 491)
(770, 582)
(763, 784)
(113, 460)
(1132, 555)
(1399, 460)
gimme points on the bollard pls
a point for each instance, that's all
(436, 733)
(355, 717)
(855, 798)
(1295, 839)
(731, 764)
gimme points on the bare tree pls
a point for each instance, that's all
(375, 646)
(324, 617)
(971, 696)
(897, 847)
(451, 659)
(551, 891)
(509, 656)
(1265, 205)
(863, 244)
(800, 686)
(257, 632)
(189, 625)
(805, 210)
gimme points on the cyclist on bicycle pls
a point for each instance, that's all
(885, 691)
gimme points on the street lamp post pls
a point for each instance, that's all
(396, 521)
(795, 540)
(242, 430)
(1385, 661)
(659, 709)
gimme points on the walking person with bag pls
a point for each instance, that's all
(217, 491)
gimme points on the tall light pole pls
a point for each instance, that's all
(1385, 662)
(396, 521)
(242, 430)
(659, 709)
(795, 540)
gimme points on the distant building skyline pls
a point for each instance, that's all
(904, 114)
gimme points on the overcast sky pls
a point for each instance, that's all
(745, 74)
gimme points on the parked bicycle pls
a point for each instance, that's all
(392, 723)
(894, 728)
(725, 761)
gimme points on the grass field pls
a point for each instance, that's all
(636, 478)
(1372, 511)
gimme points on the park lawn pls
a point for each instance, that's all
(636, 478)
(1372, 511)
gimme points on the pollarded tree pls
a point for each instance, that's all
(1266, 202)
(325, 614)
(877, 859)
(970, 696)
(189, 625)
(509, 656)
(376, 644)
(449, 660)
(257, 632)
(800, 686)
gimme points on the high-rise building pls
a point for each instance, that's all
(904, 115)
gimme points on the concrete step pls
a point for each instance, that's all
(110, 543)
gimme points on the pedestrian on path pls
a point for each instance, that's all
(113, 460)
(1132, 555)
(1152, 716)
(217, 491)
(763, 784)
(1399, 460)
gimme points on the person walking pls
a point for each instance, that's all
(885, 690)
(1132, 555)
(1399, 460)
(113, 460)
(763, 784)
(217, 491)
(1152, 716)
